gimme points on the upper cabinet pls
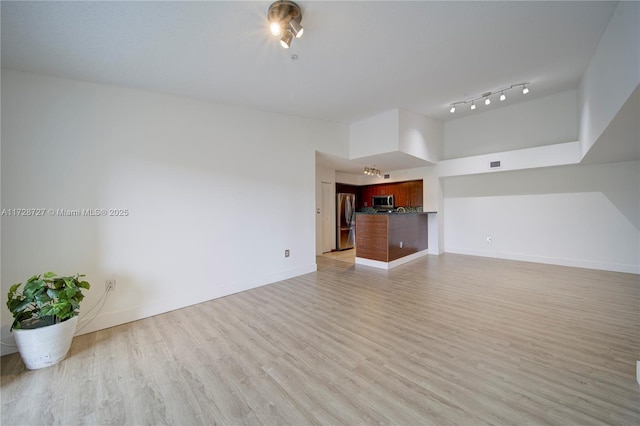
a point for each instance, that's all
(415, 194)
(406, 194)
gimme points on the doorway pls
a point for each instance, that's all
(327, 214)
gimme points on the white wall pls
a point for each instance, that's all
(374, 135)
(612, 75)
(421, 136)
(585, 216)
(397, 130)
(538, 122)
(528, 158)
(215, 194)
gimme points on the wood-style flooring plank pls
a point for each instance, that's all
(442, 340)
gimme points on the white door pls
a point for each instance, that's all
(327, 213)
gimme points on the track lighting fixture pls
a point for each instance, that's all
(284, 20)
(486, 96)
(372, 171)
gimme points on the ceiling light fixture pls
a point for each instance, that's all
(372, 171)
(284, 20)
(486, 96)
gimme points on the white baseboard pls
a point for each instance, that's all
(577, 263)
(389, 265)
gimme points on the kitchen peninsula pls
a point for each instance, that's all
(389, 239)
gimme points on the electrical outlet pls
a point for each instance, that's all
(110, 285)
(489, 239)
(401, 244)
(286, 253)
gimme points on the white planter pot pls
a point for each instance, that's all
(45, 346)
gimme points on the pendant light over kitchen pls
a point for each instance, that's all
(284, 21)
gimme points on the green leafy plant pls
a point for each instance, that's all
(45, 299)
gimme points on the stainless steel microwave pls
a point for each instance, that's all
(382, 201)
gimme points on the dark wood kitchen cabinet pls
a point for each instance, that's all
(417, 194)
(364, 200)
(400, 195)
(347, 189)
(406, 194)
(388, 237)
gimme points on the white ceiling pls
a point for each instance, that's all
(356, 59)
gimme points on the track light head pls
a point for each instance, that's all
(285, 41)
(296, 28)
(503, 96)
(525, 89)
(453, 109)
(487, 101)
(473, 105)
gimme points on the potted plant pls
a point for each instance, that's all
(45, 316)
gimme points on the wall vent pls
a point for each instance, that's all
(386, 176)
(494, 165)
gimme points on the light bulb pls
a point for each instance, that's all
(275, 28)
(503, 96)
(453, 109)
(285, 41)
(525, 90)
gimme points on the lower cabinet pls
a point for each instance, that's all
(388, 237)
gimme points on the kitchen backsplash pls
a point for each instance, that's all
(413, 209)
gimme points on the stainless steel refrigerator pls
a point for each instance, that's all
(346, 220)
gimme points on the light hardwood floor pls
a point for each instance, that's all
(441, 340)
(343, 256)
